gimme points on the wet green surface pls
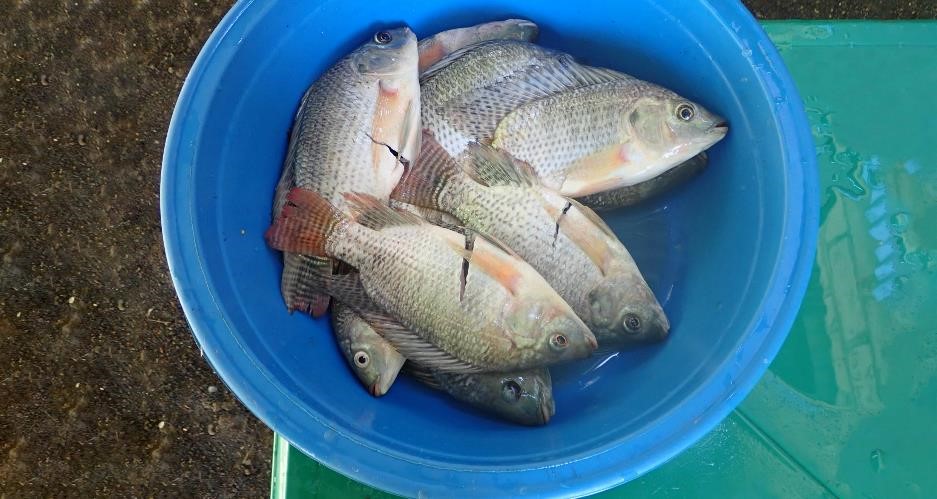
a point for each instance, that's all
(849, 407)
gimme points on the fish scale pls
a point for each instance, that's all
(570, 125)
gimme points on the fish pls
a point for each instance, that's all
(373, 360)
(634, 194)
(440, 45)
(356, 128)
(465, 303)
(566, 242)
(524, 397)
(581, 129)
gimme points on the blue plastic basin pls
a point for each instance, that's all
(729, 254)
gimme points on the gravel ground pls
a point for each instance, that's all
(102, 389)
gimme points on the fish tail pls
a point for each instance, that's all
(425, 181)
(305, 224)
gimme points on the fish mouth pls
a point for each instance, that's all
(377, 389)
(593, 343)
(547, 409)
(544, 414)
(720, 128)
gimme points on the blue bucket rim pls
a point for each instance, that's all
(585, 476)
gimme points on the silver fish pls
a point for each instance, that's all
(566, 242)
(354, 130)
(524, 397)
(581, 129)
(374, 361)
(500, 315)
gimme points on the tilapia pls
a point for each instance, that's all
(524, 397)
(355, 129)
(571, 247)
(499, 315)
(374, 361)
(440, 45)
(582, 129)
(633, 194)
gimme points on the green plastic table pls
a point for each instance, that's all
(849, 406)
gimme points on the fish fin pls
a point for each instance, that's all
(496, 260)
(304, 225)
(633, 194)
(498, 268)
(438, 46)
(375, 214)
(431, 215)
(300, 291)
(600, 171)
(489, 166)
(422, 374)
(593, 217)
(446, 59)
(346, 288)
(580, 233)
(410, 127)
(425, 180)
(414, 347)
(341, 268)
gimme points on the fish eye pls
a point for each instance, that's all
(510, 391)
(632, 323)
(362, 359)
(559, 342)
(382, 37)
(685, 112)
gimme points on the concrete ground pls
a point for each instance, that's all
(102, 389)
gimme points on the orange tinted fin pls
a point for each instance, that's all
(499, 266)
(304, 224)
(597, 172)
(583, 235)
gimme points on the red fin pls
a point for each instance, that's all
(318, 305)
(304, 224)
(426, 177)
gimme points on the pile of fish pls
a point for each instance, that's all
(436, 193)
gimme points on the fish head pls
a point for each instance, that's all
(375, 363)
(389, 66)
(553, 331)
(525, 397)
(623, 310)
(391, 51)
(672, 127)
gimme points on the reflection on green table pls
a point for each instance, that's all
(849, 407)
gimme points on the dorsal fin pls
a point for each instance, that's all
(593, 217)
(489, 166)
(413, 346)
(424, 181)
(375, 214)
(422, 374)
(478, 112)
